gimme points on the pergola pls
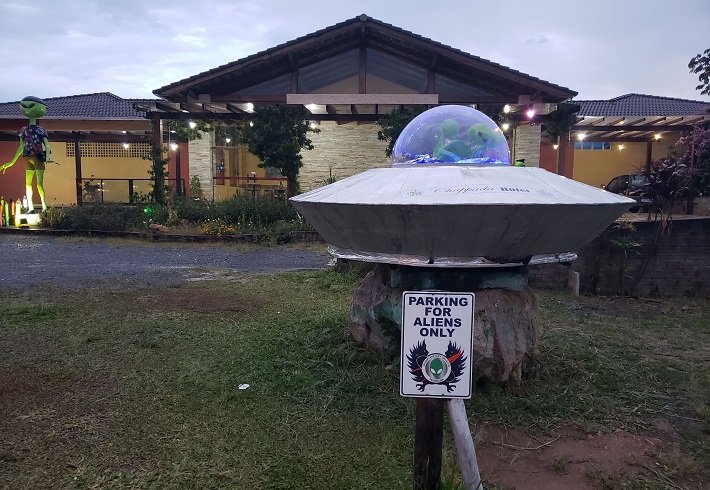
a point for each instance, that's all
(637, 118)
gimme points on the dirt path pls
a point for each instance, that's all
(76, 263)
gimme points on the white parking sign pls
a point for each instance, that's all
(437, 344)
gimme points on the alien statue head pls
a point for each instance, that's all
(33, 107)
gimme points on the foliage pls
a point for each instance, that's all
(558, 123)
(276, 137)
(246, 214)
(700, 65)
(217, 227)
(103, 217)
(158, 173)
(392, 124)
(196, 188)
(182, 128)
(684, 173)
(52, 217)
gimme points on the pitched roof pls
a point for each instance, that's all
(310, 46)
(102, 105)
(642, 105)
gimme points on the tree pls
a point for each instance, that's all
(700, 64)
(684, 173)
(393, 123)
(276, 137)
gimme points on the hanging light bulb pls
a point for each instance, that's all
(555, 146)
(228, 140)
(192, 124)
(506, 108)
(530, 113)
(505, 126)
(173, 146)
(581, 136)
(126, 146)
(251, 124)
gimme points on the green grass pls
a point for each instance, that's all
(139, 389)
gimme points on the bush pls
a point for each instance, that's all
(245, 214)
(104, 217)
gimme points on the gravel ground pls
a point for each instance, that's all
(28, 262)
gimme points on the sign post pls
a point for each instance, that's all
(437, 350)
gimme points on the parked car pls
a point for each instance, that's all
(635, 186)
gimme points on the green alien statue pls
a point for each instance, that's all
(34, 147)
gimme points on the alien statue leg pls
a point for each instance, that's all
(40, 188)
(29, 174)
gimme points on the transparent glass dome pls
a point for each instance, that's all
(451, 134)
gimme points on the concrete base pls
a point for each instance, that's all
(505, 324)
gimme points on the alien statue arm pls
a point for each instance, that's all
(19, 151)
(47, 151)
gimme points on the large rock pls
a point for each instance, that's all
(505, 324)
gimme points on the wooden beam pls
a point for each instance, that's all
(362, 68)
(240, 98)
(80, 124)
(215, 116)
(77, 171)
(371, 99)
(69, 136)
(632, 128)
(235, 109)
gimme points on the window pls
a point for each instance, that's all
(592, 145)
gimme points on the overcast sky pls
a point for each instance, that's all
(601, 49)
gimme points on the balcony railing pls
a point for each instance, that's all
(125, 191)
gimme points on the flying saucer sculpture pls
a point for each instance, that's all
(451, 199)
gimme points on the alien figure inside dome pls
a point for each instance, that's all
(451, 134)
(34, 147)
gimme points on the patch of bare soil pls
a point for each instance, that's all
(514, 460)
(183, 299)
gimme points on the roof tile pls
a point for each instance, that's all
(102, 105)
(642, 105)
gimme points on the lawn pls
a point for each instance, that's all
(253, 383)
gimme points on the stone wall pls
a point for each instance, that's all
(200, 162)
(527, 144)
(344, 149)
(625, 261)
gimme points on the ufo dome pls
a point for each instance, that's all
(451, 134)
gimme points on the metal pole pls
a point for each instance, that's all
(465, 450)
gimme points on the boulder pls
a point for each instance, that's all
(506, 323)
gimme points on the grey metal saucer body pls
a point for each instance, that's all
(459, 216)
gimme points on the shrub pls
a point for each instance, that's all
(104, 217)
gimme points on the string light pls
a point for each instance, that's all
(581, 136)
(173, 146)
(251, 124)
(228, 140)
(555, 146)
(505, 126)
(192, 124)
(126, 146)
(621, 147)
(250, 107)
(506, 108)
(313, 125)
(657, 136)
(530, 113)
